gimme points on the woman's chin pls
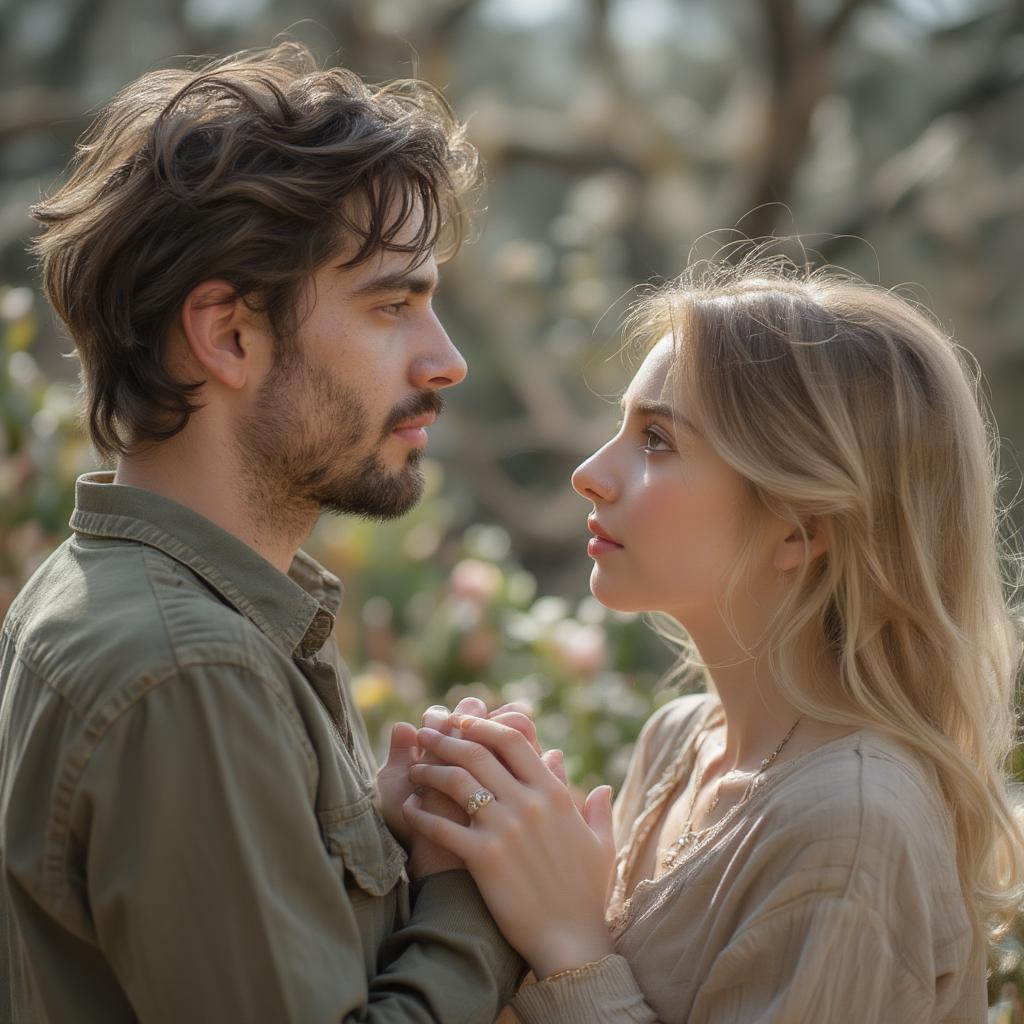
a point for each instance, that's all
(613, 597)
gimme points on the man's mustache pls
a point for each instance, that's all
(417, 405)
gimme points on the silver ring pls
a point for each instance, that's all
(481, 798)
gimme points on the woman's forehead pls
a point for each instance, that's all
(653, 379)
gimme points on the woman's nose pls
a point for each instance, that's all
(592, 479)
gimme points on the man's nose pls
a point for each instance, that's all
(440, 364)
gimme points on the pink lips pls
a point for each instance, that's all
(600, 543)
(413, 431)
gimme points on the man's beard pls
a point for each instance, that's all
(294, 446)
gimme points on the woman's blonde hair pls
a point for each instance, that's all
(843, 401)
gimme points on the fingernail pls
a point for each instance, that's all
(427, 734)
(461, 721)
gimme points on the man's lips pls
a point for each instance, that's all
(413, 431)
(600, 543)
(417, 422)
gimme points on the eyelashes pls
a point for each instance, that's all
(656, 442)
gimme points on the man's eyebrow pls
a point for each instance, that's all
(649, 407)
(400, 281)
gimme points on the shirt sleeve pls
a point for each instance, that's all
(827, 960)
(214, 896)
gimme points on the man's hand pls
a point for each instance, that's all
(393, 785)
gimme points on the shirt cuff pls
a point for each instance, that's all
(604, 990)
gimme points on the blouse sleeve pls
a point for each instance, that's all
(603, 991)
(824, 959)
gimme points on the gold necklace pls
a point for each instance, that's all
(688, 835)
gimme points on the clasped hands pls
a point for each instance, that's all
(398, 787)
(543, 861)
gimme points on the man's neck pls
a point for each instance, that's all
(206, 479)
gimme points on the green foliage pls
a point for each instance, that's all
(41, 448)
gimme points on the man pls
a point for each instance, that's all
(245, 256)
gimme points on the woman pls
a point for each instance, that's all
(803, 480)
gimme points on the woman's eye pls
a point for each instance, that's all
(655, 442)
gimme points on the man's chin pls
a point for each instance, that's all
(377, 497)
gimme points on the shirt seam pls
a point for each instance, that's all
(128, 529)
(24, 651)
(855, 860)
(98, 726)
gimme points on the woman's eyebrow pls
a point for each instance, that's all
(650, 407)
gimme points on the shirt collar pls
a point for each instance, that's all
(296, 612)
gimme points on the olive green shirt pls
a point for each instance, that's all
(188, 826)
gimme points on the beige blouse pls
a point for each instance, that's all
(830, 896)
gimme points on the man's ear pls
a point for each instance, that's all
(802, 544)
(218, 328)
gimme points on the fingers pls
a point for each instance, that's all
(511, 746)
(521, 723)
(438, 717)
(402, 750)
(515, 705)
(454, 838)
(476, 759)
(555, 760)
(597, 813)
(454, 782)
(438, 803)
(471, 706)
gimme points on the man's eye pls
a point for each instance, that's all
(393, 308)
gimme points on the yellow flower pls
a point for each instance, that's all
(372, 688)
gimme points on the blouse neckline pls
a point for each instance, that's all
(620, 905)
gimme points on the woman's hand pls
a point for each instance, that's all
(394, 786)
(542, 866)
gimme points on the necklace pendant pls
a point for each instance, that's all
(673, 853)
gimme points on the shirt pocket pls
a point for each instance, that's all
(357, 835)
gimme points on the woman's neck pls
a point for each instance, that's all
(757, 715)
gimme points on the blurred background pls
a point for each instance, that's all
(616, 134)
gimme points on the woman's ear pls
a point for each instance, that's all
(803, 544)
(218, 329)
